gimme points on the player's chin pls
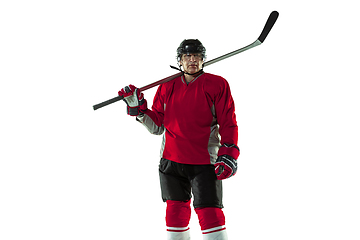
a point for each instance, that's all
(192, 70)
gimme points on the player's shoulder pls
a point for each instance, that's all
(215, 79)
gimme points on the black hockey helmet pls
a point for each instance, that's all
(190, 46)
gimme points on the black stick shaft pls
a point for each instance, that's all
(105, 103)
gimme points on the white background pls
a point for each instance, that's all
(68, 172)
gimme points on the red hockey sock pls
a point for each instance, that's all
(178, 216)
(211, 219)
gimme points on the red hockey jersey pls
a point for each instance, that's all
(197, 118)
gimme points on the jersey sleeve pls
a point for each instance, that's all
(153, 119)
(225, 114)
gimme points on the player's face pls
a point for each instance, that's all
(192, 62)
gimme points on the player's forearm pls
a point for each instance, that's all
(151, 122)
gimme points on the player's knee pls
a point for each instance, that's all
(178, 213)
(210, 217)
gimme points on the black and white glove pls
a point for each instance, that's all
(134, 98)
(226, 163)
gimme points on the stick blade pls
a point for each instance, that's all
(268, 25)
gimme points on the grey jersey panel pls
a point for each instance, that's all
(150, 125)
(214, 139)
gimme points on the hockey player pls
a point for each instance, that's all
(196, 115)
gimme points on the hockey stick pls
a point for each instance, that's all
(268, 25)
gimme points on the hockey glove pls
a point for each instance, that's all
(134, 99)
(226, 164)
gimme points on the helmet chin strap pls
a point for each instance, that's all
(179, 69)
